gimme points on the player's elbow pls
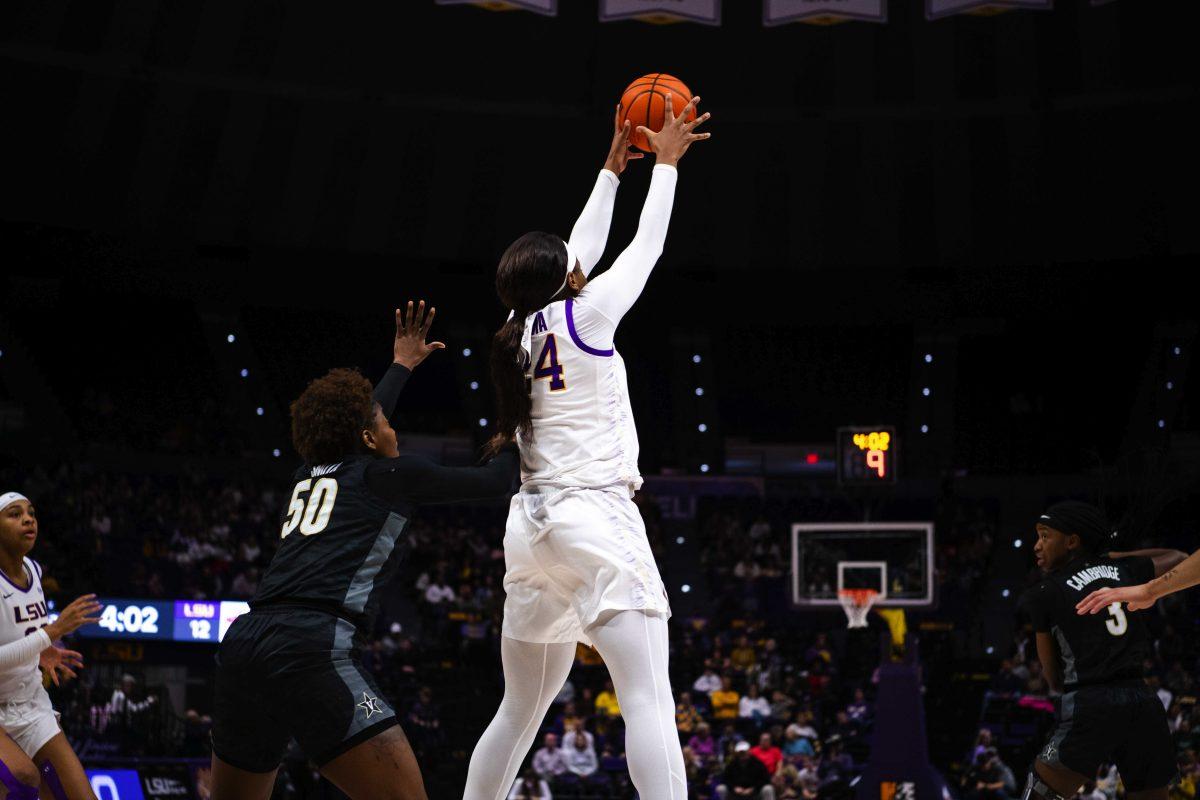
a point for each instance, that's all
(1175, 558)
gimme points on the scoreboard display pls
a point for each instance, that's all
(866, 456)
(165, 620)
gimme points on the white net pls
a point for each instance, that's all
(857, 604)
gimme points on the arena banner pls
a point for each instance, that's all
(823, 12)
(707, 12)
(936, 9)
(167, 782)
(115, 784)
(547, 7)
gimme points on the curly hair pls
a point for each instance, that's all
(328, 418)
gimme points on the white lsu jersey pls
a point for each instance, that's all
(24, 612)
(583, 431)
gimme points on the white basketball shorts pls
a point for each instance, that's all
(31, 723)
(570, 556)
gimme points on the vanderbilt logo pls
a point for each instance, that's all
(892, 790)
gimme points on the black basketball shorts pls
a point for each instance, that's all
(1122, 724)
(284, 673)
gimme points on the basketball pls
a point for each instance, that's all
(644, 101)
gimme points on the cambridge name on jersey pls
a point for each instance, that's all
(1095, 648)
(24, 612)
(583, 429)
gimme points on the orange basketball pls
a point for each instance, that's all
(645, 100)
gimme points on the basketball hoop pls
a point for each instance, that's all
(857, 604)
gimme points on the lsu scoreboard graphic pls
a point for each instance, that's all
(165, 620)
(866, 456)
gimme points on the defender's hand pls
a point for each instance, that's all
(676, 135)
(82, 611)
(620, 153)
(410, 347)
(1135, 597)
(55, 660)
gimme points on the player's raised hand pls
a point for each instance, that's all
(620, 153)
(410, 347)
(82, 611)
(1135, 598)
(677, 134)
(56, 660)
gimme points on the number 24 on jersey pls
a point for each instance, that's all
(548, 366)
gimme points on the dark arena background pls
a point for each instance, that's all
(930, 274)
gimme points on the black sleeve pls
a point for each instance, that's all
(416, 479)
(1141, 568)
(387, 391)
(1036, 604)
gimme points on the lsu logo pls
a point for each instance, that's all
(892, 790)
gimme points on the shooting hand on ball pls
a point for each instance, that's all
(676, 135)
(620, 152)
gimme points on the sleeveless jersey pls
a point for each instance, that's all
(583, 430)
(341, 543)
(1095, 648)
(24, 612)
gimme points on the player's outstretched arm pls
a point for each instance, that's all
(409, 349)
(1184, 574)
(590, 233)
(82, 611)
(416, 479)
(614, 292)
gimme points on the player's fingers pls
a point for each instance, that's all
(428, 321)
(689, 110)
(668, 111)
(690, 126)
(54, 675)
(632, 154)
(695, 137)
(625, 130)
(644, 131)
(418, 320)
(617, 119)
(405, 321)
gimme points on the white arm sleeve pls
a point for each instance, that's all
(16, 653)
(590, 233)
(607, 297)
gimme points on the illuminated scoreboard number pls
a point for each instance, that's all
(166, 620)
(196, 621)
(132, 619)
(867, 456)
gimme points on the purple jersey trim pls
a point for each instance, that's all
(14, 584)
(575, 336)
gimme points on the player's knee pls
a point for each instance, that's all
(27, 775)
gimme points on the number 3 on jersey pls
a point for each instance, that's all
(311, 516)
(548, 366)
(1119, 622)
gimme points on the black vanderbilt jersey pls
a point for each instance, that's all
(343, 529)
(1096, 648)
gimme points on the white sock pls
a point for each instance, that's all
(634, 646)
(533, 676)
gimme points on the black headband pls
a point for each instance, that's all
(1082, 519)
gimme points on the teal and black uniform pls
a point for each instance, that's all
(290, 667)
